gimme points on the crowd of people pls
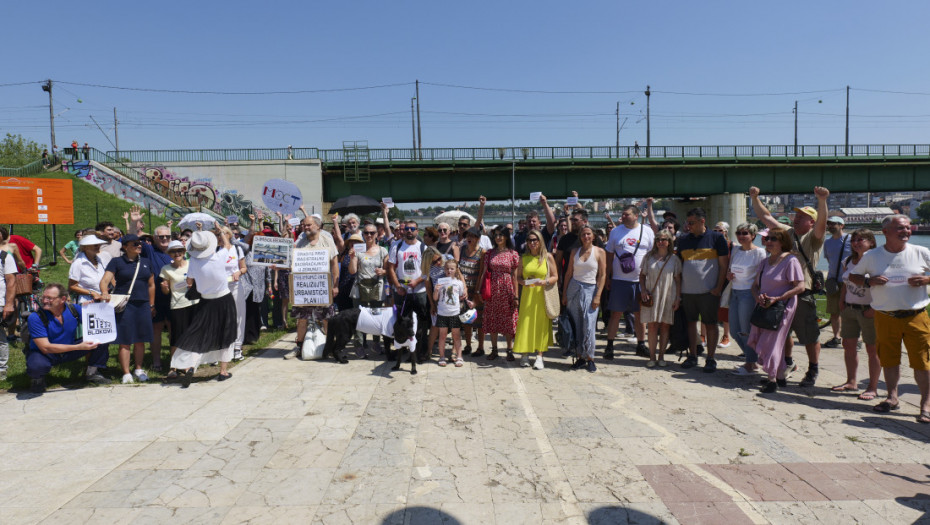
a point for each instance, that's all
(673, 283)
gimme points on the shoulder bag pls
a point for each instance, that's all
(119, 301)
(649, 302)
(832, 285)
(767, 317)
(628, 260)
(486, 282)
(817, 282)
(551, 293)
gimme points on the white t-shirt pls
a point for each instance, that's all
(209, 275)
(855, 294)
(450, 297)
(86, 274)
(407, 260)
(623, 239)
(745, 266)
(896, 294)
(9, 267)
(230, 258)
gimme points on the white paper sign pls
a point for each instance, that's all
(389, 201)
(534, 196)
(268, 251)
(281, 195)
(443, 281)
(571, 201)
(294, 221)
(311, 260)
(359, 248)
(232, 219)
(310, 289)
(99, 321)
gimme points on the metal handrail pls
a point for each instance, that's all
(32, 168)
(630, 153)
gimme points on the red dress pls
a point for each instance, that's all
(500, 314)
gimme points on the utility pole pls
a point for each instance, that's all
(51, 110)
(413, 130)
(795, 128)
(419, 129)
(618, 129)
(648, 93)
(116, 132)
(847, 120)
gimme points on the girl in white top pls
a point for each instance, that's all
(858, 318)
(234, 264)
(584, 281)
(744, 266)
(87, 269)
(448, 295)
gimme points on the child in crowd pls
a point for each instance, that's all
(448, 294)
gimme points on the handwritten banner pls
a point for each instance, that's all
(311, 260)
(311, 289)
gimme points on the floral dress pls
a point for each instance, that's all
(500, 314)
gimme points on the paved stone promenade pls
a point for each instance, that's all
(313, 442)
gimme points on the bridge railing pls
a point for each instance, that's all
(529, 153)
(29, 169)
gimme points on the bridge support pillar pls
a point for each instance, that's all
(729, 207)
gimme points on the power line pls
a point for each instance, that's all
(919, 93)
(20, 83)
(196, 92)
(548, 92)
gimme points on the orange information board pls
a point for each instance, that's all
(36, 201)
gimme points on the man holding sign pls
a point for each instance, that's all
(311, 238)
(54, 333)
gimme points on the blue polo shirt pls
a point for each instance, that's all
(57, 333)
(158, 260)
(123, 269)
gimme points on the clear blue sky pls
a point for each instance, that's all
(807, 51)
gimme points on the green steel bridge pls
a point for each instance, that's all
(457, 174)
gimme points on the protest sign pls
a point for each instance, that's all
(294, 221)
(571, 201)
(268, 251)
(311, 260)
(311, 289)
(534, 196)
(281, 195)
(389, 201)
(99, 322)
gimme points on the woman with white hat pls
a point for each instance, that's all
(87, 269)
(174, 283)
(211, 335)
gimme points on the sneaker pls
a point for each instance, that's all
(97, 379)
(770, 387)
(790, 369)
(37, 386)
(725, 342)
(663, 363)
(478, 353)
(609, 351)
(568, 353)
(810, 377)
(467, 349)
(538, 365)
(140, 375)
(525, 360)
(833, 343)
(263, 328)
(127, 379)
(294, 353)
(690, 362)
(592, 367)
(741, 370)
(710, 366)
(237, 354)
(700, 349)
(579, 364)
(650, 364)
(641, 349)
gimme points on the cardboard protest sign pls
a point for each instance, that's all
(268, 251)
(281, 195)
(311, 260)
(99, 322)
(311, 289)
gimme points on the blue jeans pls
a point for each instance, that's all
(741, 305)
(578, 299)
(39, 364)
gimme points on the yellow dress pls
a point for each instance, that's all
(534, 328)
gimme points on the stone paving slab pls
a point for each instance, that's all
(287, 441)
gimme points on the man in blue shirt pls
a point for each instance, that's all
(57, 341)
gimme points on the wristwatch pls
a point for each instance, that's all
(867, 285)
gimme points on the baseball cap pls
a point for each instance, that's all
(837, 219)
(784, 220)
(807, 210)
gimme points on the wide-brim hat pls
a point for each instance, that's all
(356, 237)
(92, 240)
(201, 244)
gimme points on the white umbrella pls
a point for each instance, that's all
(189, 222)
(452, 218)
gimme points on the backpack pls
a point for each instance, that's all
(26, 336)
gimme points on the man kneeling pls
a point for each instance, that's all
(53, 331)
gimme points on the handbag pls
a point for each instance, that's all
(119, 301)
(368, 290)
(817, 280)
(649, 302)
(192, 294)
(767, 317)
(486, 282)
(626, 259)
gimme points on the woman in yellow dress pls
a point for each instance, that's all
(534, 329)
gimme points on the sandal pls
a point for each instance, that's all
(923, 417)
(442, 362)
(459, 363)
(844, 388)
(510, 356)
(866, 396)
(493, 355)
(884, 407)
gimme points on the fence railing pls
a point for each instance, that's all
(632, 153)
(29, 169)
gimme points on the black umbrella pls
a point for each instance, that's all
(359, 204)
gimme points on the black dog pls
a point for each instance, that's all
(339, 332)
(342, 326)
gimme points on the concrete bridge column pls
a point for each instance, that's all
(729, 207)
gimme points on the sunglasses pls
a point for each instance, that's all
(410, 228)
(719, 231)
(463, 225)
(443, 230)
(134, 244)
(163, 236)
(742, 233)
(369, 233)
(770, 238)
(662, 240)
(176, 252)
(532, 239)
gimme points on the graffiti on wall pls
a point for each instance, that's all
(118, 187)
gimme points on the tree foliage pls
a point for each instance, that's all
(15, 151)
(923, 211)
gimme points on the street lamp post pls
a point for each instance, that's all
(648, 93)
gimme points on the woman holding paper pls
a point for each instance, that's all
(174, 283)
(234, 264)
(211, 335)
(534, 329)
(368, 266)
